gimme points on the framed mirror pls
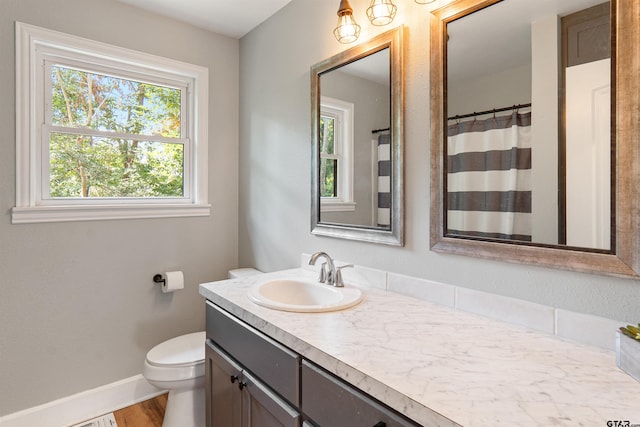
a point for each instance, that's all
(356, 130)
(535, 115)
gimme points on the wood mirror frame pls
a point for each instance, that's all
(394, 236)
(624, 259)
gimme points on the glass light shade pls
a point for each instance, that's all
(381, 12)
(347, 30)
(424, 1)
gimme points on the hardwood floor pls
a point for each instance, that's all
(144, 414)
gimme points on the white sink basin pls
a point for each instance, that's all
(303, 295)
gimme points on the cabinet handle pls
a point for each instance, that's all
(234, 378)
(241, 385)
(381, 424)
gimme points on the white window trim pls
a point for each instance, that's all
(343, 113)
(31, 44)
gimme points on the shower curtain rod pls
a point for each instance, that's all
(380, 130)
(495, 110)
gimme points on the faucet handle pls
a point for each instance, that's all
(322, 278)
(338, 279)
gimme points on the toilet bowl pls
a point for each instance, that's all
(177, 365)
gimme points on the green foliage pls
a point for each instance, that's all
(327, 139)
(328, 184)
(90, 165)
(328, 166)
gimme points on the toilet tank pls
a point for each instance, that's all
(243, 272)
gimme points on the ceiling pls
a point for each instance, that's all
(233, 18)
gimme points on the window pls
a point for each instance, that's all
(336, 160)
(105, 132)
(328, 156)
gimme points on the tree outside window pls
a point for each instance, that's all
(119, 157)
(328, 158)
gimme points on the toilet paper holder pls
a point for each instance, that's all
(170, 281)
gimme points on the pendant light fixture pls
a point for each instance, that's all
(424, 1)
(381, 12)
(347, 30)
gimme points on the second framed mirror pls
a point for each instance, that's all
(534, 121)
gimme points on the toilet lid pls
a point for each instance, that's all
(183, 350)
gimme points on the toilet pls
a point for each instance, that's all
(177, 365)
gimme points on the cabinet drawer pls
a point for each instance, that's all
(327, 401)
(267, 359)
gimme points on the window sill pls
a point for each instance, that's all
(39, 214)
(326, 206)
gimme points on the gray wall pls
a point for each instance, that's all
(503, 89)
(78, 308)
(275, 154)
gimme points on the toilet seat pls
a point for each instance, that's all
(177, 359)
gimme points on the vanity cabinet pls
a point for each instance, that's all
(254, 381)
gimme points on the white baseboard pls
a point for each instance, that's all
(85, 405)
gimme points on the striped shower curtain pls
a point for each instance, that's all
(384, 181)
(489, 178)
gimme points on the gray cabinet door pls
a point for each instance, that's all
(263, 408)
(223, 397)
(235, 398)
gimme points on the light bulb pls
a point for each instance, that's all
(381, 12)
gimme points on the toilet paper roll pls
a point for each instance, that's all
(173, 281)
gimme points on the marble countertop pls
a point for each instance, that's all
(442, 366)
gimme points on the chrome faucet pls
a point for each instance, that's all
(328, 272)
